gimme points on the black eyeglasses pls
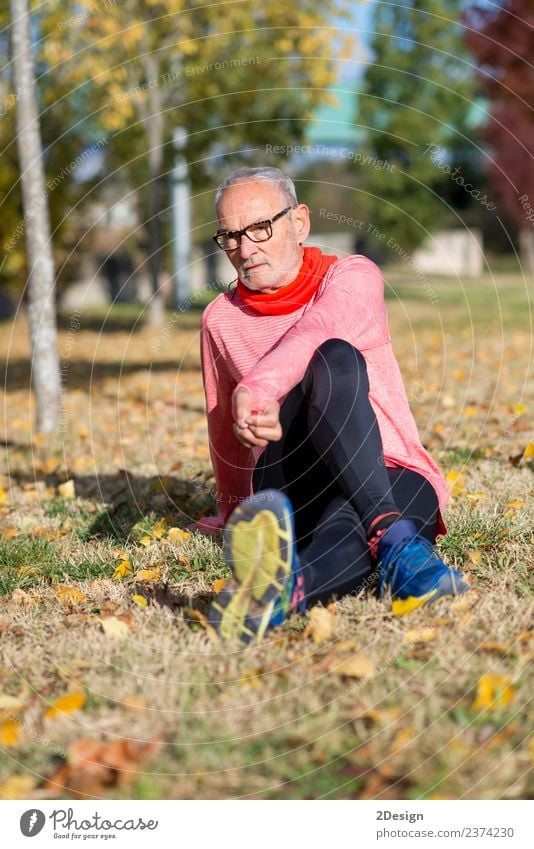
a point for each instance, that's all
(260, 231)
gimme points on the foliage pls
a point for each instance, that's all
(416, 93)
(501, 39)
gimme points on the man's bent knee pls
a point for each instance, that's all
(338, 355)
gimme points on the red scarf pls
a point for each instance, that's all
(295, 294)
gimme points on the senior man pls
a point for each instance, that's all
(323, 485)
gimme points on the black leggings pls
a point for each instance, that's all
(330, 463)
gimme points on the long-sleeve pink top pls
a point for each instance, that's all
(269, 354)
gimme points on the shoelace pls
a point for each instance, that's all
(419, 550)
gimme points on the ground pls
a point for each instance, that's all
(110, 684)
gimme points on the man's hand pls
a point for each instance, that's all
(258, 428)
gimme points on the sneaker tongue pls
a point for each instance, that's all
(397, 532)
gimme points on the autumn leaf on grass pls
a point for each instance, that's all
(177, 535)
(528, 453)
(140, 600)
(148, 575)
(219, 585)
(17, 787)
(122, 570)
(119, 554)
(70, 595)
(493, 692)
(66, 490)
(519, 409)
(420, 635)
(115, 627)
(359, 666)
(9, 733)
(3, 497)
(9, 533)
(455, 481)
(322, 625)
(66, 704)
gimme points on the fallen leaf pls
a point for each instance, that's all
(359, 666)
(474, 496)
(475, 556)
(10, 533)
(516, 504)
(219, 584)
(66, 704)
(140, 600)
(493, 692)
(420, 635)
(66, 490)
(501, 648)
(528, 453)
(114, 627)
(10, 732)
(148, 575)
(322, 625)
(17, 787)
(122, 570)
(119, 554)
(21, 597)
(3, 497)
(455, 481)
(70, 595)
(177, 535)
(146, 540)
(519, 409)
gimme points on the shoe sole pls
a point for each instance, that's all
(258, 547)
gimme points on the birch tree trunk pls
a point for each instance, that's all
(41, 300)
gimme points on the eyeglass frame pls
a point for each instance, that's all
(240, 233)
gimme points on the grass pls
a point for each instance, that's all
(185, 717)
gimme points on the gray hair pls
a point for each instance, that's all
(272, 176)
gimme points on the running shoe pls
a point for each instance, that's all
(267, 583)
(414, 573)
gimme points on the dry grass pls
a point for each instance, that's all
(279, 720)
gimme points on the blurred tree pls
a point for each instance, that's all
(236, 76)
(502, 40)
(415, 102)
(41, 300)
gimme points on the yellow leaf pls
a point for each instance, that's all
(66, 704)
(3, 497)
(148, 575)
(475, 556)
(121, 570)
(66, 490)
(359, 666)
(159, 529)
(119, 554)
(519, 409)
(218, 585)
(9, 733)
(501, 648)
(402, 738)
(114, 627)
(516, 504)
(322, 625)
(455, 481)
(70, 595)
(140, 600)
(420, 635)
(470, 411)
(528, 453)
(475, 496)
(9, 533)
(17, 787)
(146, 540)
(493, 692)
(458, 374)
(178, 535)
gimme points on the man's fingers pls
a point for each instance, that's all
(246, 437)
(241, 406)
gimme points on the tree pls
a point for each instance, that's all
(416, 95)
(235, 75)
(502, 40)
(41, 300)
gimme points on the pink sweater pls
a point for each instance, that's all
(269, 354)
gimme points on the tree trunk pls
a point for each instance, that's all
(526, 249)
(154, 125)
(41, 300)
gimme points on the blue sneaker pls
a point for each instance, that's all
(410, 567)
(267, 583)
